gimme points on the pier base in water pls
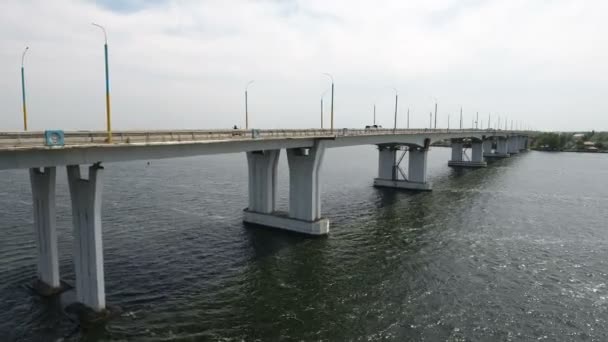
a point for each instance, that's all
(280, 220)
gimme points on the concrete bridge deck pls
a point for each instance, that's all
(27, 149)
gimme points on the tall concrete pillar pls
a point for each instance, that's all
(487, 147)
(304, 214)
(304, 185)
(512, 145)
(477, 152)
(43, 199)
(502, 147)
(387, 157)
(88, 246)
(457, 151)
(263, 167)
(417, 167)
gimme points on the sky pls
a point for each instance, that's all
(184, 64)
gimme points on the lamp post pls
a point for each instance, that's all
(23, 89)
(374, 114)
(396, 102)
(435, 113)
(108, 111)
(332, 100)
(322, 96)
(460, 117)
(408, 118)
(448, 122)
(246, 104)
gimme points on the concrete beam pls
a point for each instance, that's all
(88, 246)
(43, 200)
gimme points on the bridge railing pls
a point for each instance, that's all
(34, 139)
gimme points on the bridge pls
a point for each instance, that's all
(305, 149)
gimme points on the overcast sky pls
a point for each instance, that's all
(184, 64)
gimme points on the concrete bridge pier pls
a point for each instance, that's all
(523, 143)
(389, 170)
(487, 147)
(263, 167)
(502, 149)
(304, 214)
(513, 146)
(43, 199)
(88, 247)
(476, 159)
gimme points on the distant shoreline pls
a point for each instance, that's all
(571, 151)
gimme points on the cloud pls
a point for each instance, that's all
(184, 64)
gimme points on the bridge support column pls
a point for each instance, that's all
(43, 200)
(304, 214)
(88, 247)
(476, 155)
(263, 180)
(388, 170)
(417, 165)
(457, 150)
(513, 146)
(502, 149)
(523, 143)
(487, 148)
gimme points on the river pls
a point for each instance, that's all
(516, 251)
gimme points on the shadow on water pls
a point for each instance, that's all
(267, 241)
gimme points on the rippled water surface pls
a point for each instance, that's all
(517, 251)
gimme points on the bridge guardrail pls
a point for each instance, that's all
(35, 139)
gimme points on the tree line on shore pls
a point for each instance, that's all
(570, 141)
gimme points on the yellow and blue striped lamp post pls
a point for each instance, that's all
(23, 89)
(108, 117)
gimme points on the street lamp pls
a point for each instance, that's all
(396, 101)
(435, 113)
(105, 50)
(374, 114)
(332, 99)
(23, 89)
(246, 105)
(322, 96)
(461, 117)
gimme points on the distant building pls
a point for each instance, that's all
(579, 136)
